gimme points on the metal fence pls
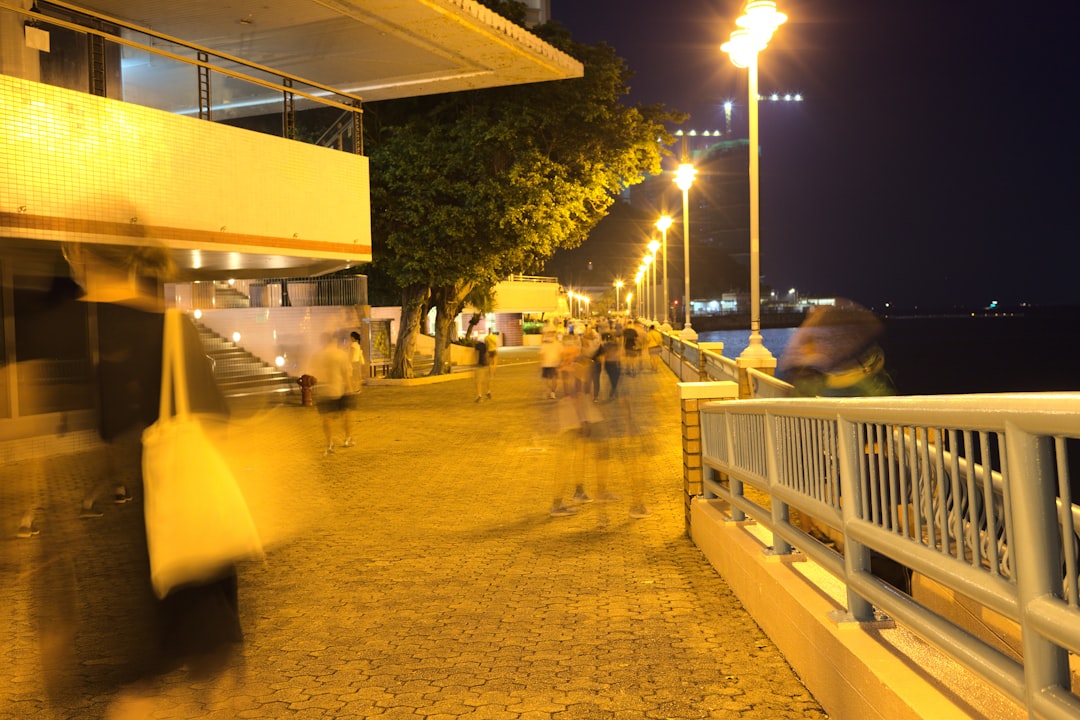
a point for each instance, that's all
(210, 83)
(975, 493)
(276, 292)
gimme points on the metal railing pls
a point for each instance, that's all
(103, 31)
(274, 292)
(972, 492)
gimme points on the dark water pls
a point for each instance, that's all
(1031, 352)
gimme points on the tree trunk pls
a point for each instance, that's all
(473, 322)
(413, 300)
(448, 302)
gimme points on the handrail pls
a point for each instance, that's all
(970, 491)
(184, 43)
(286, 86)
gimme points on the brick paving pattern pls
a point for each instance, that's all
(415, 575)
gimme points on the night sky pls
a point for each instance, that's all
(932, 163)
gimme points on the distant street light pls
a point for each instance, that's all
(663, 224)
(684, 178)
(756, 27)
(618, 286)
(629, 297)
(650, 285)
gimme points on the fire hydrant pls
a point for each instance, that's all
(306, 382)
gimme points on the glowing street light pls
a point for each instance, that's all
(756, 27)
(618, 286)
(629, 297)
(663, 224)
(650, 286)
(684, 178)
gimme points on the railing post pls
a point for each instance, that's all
(856, 556)
(781, 514)
(1036, 550)
(691, 396)
(766, 365)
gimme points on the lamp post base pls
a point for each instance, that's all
(688, 333)
(756, 349)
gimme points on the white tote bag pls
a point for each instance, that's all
(197, 522)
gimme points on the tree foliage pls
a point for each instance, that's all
(470, 187)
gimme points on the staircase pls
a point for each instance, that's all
(237, 371)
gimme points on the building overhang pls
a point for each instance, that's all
(376, 49)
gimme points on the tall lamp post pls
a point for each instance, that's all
(654, 245)
(663, 224)
(618, 286)
(756, 26)
(684, 178)
(646, 264)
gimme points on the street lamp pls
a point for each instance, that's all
(756, 27)
(663, 224)
(637, 282)
(654, 245)
(618, 286)
(650, 287)
(629, 297)
(684, 178)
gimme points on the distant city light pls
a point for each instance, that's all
(782, 97)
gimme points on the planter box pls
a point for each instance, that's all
(531, 340)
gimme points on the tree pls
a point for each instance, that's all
(470, 187)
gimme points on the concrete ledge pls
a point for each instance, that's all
(849, 669)
(424, 380)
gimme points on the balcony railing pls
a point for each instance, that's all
(113, 48)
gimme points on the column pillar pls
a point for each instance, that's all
(692, 397)
(766, 365)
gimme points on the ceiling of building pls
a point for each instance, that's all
(376, 49)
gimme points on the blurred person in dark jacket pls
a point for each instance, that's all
(837, 352)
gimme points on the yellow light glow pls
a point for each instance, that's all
(684, 176)
(664, 223)
(236, 337)
(654, 245)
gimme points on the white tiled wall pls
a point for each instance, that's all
(76, 166)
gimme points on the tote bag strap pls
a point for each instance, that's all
(174, 389)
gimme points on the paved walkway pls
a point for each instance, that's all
(416, 575)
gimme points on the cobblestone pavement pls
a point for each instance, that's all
(415, 575)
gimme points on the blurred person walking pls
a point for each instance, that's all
(333, 383)
(550, 359)
(195, 625)
(484, 370)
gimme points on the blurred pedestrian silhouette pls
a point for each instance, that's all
(333, 385)
(196, 626)
(357, 360)
(484, 369)
(837, 352)
(550, 359)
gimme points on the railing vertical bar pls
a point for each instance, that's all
(894, 502)
(1036, 559)
(1007, 544)
(852, 475)
(1068, 524)
(818, 457)
(988, 496)
(947, 484)
(834, 469)
(974, 533)
(873, 499)
(926, 484)
(916, 484)
(902, 475)
(958, 497)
